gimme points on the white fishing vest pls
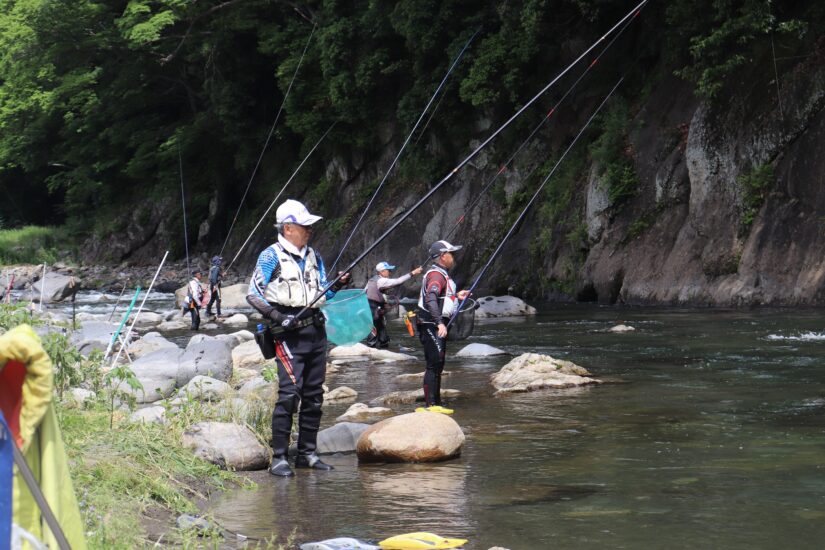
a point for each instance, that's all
(292, 287)
(449, 301)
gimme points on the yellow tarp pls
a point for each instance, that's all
(42, 444)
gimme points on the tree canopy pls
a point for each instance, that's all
(98, 98)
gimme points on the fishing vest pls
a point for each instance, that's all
(373, 294)
(448, 301)
(293, 287)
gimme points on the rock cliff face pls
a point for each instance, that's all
(693, 233)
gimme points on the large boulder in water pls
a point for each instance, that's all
(366, 353)
(55, 287)
(479, 350)
(228, 445)
(533, 371)
(210, 358)
(413, 437)
(503, 306)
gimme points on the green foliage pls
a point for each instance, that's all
(114, 380)
(611, 153)
(30, 245)
(726, 37)
(12, 315)
(755, 186)
(270, 373)
(120, 473)
(65, 360)
(97, 99)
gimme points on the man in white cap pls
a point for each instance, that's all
(436, 306)
(287, 277)
(377, 286)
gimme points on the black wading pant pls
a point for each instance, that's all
(302, 361)
(196, 317)
(215, 298)
(435, 350)
(379, 337)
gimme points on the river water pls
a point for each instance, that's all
(709, 432)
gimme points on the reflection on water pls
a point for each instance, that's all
(711, 434)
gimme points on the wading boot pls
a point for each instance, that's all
(313, 461)
(280, 467)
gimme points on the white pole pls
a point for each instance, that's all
(148, 290)
(42, 289)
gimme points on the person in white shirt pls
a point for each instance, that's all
(194, 297)
(377, 287)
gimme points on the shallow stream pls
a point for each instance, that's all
(710, 432)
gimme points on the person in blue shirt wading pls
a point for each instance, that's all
(377, 286)
(215, 283)
(287, 277)
(436, 305)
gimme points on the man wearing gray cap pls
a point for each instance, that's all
(436, 305)
(288, 276)
(377, 287)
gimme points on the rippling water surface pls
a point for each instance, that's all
(710, 433)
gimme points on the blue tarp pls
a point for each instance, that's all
(6, 461)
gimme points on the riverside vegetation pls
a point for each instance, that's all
(132, 479)
(93, 142)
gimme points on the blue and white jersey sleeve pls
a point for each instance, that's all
(266, 265)
(323, 276)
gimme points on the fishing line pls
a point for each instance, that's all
(183, 204)
(268, 138)
(400, 151)
(295, 173)
(435, 188)
(533, 199)
(549, 114)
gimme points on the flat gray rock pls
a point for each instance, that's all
(230, 446)
(211, 358)
(149, 415)
(340, 438)
(205, 388)
(503, 306)
(55, 287)
(156, 371)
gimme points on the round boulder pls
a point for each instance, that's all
(413, 437)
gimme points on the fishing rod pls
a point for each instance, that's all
(183, 204)
(400, 151)
(437, 186)
(544, 120)
(295, 173)
(533, 199)
(268, 138)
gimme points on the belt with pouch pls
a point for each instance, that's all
(316, 319)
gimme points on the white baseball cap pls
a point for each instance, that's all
(440, 247)
(384, 265)
(292, 211)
